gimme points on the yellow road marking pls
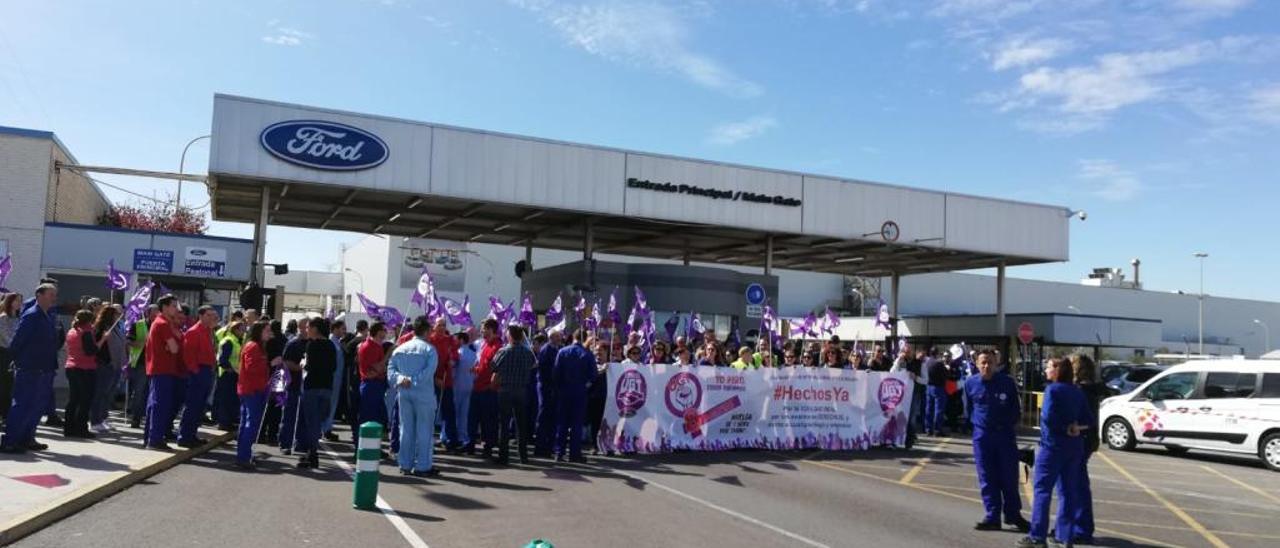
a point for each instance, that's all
(1260, 492)
(919, 487)
(1190, 521)
(1196, 510)
(912, 473)
(1178, 528)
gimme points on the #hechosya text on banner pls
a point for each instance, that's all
(660, 408)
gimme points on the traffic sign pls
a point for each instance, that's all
(755, 293)
(1026, 333)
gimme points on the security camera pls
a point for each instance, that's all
(1077, 213)
(1082, 215)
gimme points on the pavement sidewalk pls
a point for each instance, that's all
(42, 487)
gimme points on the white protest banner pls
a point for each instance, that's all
(660, 408)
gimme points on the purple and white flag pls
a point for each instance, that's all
(528, 318)
(424, 295)
(696, 328)
(768, 322)
(458, 314)
(6, 266)
(612, 314)
(882, 316)
(641, 303)
(160, 290)
(579, 308)
(387, 314)
(592, 322)
(116, 280)
(556, 312)
(136, 308)
(371, 308)
(829, 322)
(670, 327)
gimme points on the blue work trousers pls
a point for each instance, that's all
(996, 457)
(252, 407)
(31, 390)
(571, 411)
(1058, 469)
(198, 386)
(417, 428)
(161, 408)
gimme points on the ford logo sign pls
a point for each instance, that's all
(324, 145)
(199, 252)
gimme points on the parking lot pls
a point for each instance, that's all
(1146, 496)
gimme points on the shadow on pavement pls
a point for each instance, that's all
(456, 502)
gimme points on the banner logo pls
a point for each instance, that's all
(631, 390)
(684, 392)
(891, 393)
(324, 145)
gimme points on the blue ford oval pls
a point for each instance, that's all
(324, 145)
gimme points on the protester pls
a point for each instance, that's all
(34, 348)
(275, 353)
(880, 360)
(631, 356)
(832, 357)
(763, 356)
(251, 386)
(746, 360)
(163, 371)
(9, 314)
(596, 394)
(412, 369)
(371, 362)
(483, 422)
(935, 410)
(513, 366)
(545, 421)
(682, 356)
(317, 391)
(337, 330)
(198, 355)
(447, 353)
(82, 365)
(136, 394)
(463, 379)
(290, 418)
(1086, 378)
(1063, 417)
(574, 370)
(993, 404)
(112, 357)
(349, 406)
(180, 326)
(790, 358)
(226, 404)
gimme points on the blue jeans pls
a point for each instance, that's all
(482, 419)
(315, 407)
(935, 414)
(449, 418)
(137, 393)
(372, 408)
(198, 387)
(338, 377)
(417, 424)
(226, 403)
(106, 379)
(461, 411)
(29, 403)
(290, 419)
(252, 406)
(392, 398)
(545, 431)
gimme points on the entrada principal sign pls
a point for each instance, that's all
(717, 194)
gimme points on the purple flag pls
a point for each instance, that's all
(136, 309)
(160, 290)
(528, 318)
(279, 386)
(670, 327)
(612, 313)
(695, 326)
(829, 321)
(556, 313)
(641, 303)
(458, 314)
(579, 308)
(806, 326)
(6, 266)
(768, 323)
(882, 316)
(371, 308)
(392, 317)
(424, 295)
(116, 280)
(593, 321)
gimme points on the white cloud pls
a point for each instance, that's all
(983, 9)
(1109, 181)
(1220, 6)
(646, 34)
(735, 132)
(285, 36)
(1265, 104)
(1021, 52)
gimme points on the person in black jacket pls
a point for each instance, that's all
(317, 390)
(1086, 378)
(935, 411)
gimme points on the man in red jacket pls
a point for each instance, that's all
(447, 353)
(164, 369)
(483, 420)
(198, 356)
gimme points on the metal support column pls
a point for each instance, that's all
(1000, 328)
(258, 274)
(528, 255)
(686, 252)
(588, 244)
(893, 306)
(768, 255)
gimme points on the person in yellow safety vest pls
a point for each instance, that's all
(226, 403)
(746, 359)
(764, 355)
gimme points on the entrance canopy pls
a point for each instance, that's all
(316, 168)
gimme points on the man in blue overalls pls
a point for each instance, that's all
(544, 437)
(992, 400)
(1064, 412)
(35, 360)
(412, 370)
(574, 369)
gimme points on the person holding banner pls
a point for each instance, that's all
(993, 405)
(660, 353)
(632, 356)
(682, 357)
(574, 369)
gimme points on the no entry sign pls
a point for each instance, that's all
(1026, 333)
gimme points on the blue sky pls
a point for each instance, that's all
(1160, 118)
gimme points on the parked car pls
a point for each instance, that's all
(1132, 377)
(1230, 406)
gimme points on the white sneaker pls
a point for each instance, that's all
(101, 428)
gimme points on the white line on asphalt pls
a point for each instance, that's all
(722, 509)
(398, 522)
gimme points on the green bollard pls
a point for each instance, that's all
(368, 455)
(538, 543)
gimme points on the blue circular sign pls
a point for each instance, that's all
(755, 294)
(324, 145)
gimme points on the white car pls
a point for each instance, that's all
(1230, 406)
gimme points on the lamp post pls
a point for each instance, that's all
(1266, 335)
(359, 278)
(182, 163)
(1201, 256)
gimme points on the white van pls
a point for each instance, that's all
(1216, 405)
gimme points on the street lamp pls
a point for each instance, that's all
(182, 163)
(1266, 335)
(1201, 256)
(359, 277)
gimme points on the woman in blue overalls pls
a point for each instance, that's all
(1063, 417)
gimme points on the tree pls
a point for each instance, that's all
(155, 217)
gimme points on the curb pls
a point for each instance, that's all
(75, 502)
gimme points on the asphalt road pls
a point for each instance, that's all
(883, 497)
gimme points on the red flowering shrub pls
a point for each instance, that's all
(155, 217)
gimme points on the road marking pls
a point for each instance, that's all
(1190, 521)
(1260, 492)
(912, 473)
(919, 487)
(1177, 528)
(396, 521)
(719, 508)
(1196, 510)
